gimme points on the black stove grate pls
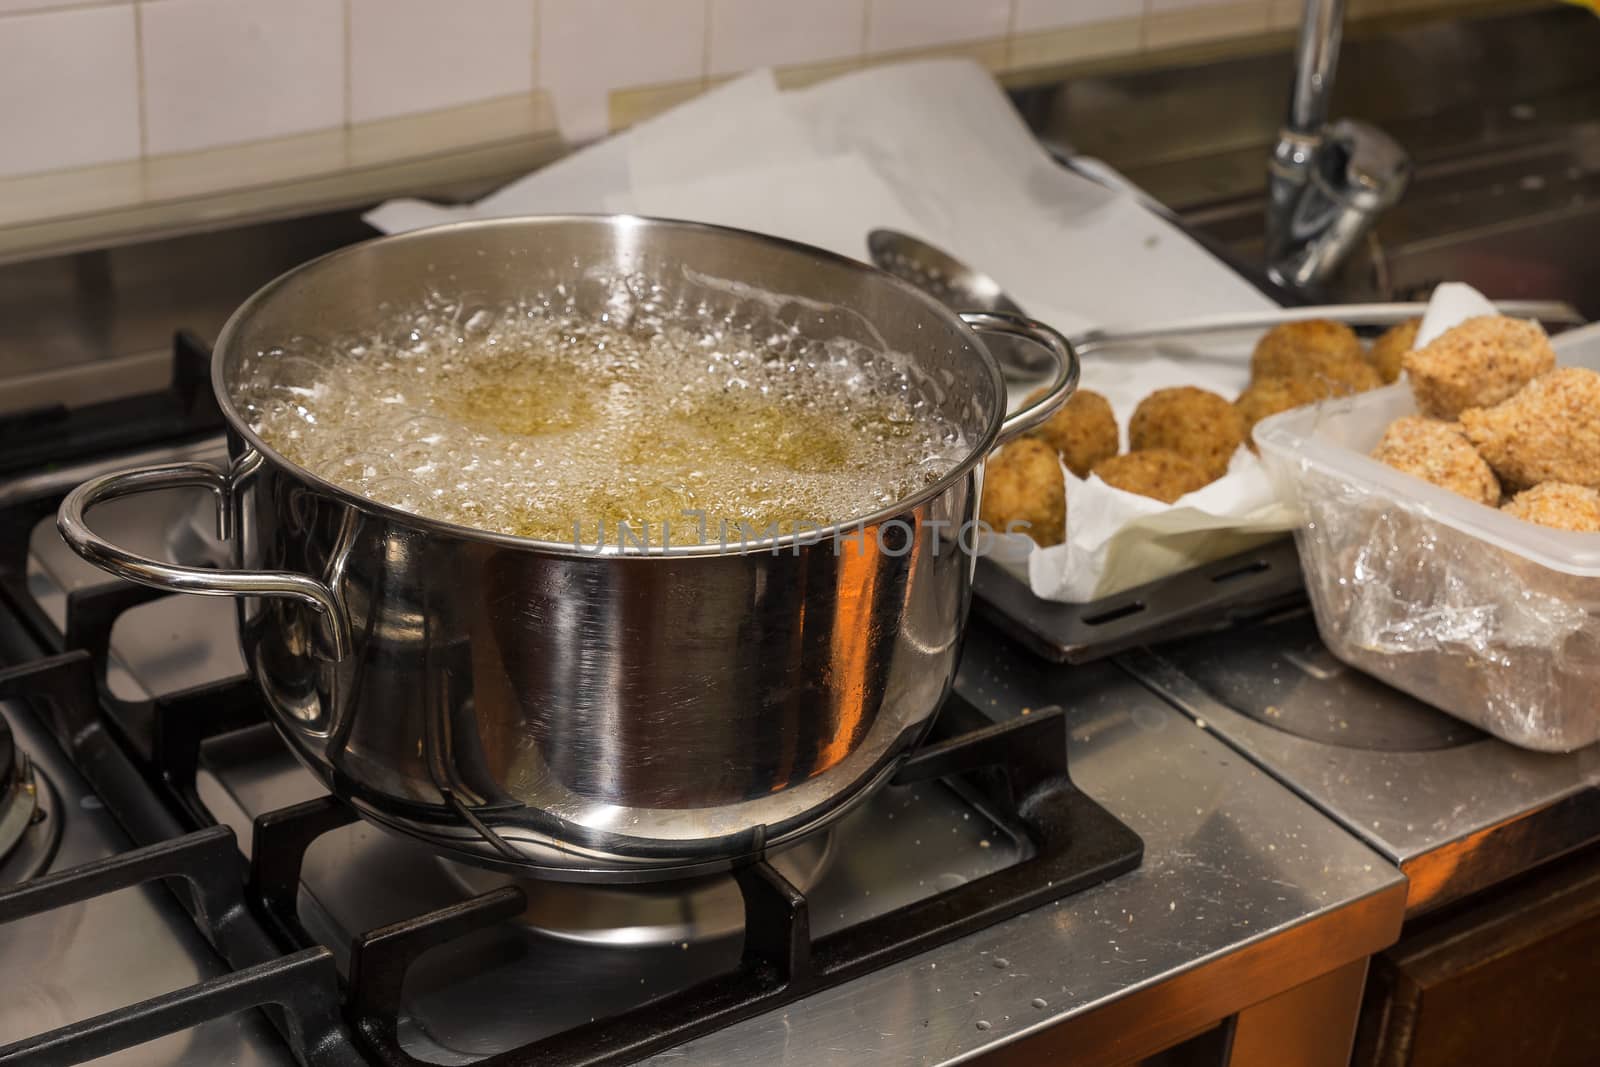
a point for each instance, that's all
(300, 990)
(34, 439)
(1016, 770)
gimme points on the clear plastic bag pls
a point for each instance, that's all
(1487, 617)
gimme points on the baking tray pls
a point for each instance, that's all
(1213, 596)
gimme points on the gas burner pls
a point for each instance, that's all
(692, 911)
(1295, 685)
(30, 821)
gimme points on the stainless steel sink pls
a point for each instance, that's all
(1528, 227)
(1501, 114)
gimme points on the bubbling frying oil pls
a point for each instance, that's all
(535, 420)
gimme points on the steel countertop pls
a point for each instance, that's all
(1245, 891)
(1456, 819)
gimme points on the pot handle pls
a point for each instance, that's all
(175, 577)
(1061, 386)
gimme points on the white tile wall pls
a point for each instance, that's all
(1034, 15)
(224, 71)
(893, 25)
(589, 47)
(88, 82)
(35, 5)
(1181, 5)
(69, 89)
(759, 33)
(421, 55)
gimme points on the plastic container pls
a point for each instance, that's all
(1487, 617)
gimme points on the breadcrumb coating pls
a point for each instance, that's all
(1481, 362)
(1195, 423)
(1302, 349)
(1156, 472)
(1084, 431)
(1390, 348)
(1559, 504)
(1548, 432)
(1437, 452)
(1022, 483)
(1351, 375)
(1269, 396)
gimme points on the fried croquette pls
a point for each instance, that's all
(1195, 423)
(1548, 432)
(1390, 348)
(1350, 375)
(1024, 492)
(1269, 396)
(1084, 431)
(1479, 363)
(1307, 349)
(1559, 504)
(1154, 472)
(1438, 452)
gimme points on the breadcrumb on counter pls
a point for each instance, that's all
(1438, 452)
(1481, 362)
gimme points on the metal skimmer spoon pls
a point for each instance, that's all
(960, 288)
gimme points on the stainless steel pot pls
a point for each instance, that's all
(617, 716)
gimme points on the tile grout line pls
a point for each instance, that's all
(53, 9)
(1011, 33)
(533, 48)
(705, 45)
(349, 91)
(138, 73)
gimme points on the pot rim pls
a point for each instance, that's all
(792, 542)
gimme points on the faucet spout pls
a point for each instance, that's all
(1327, 182)
(1316, 59)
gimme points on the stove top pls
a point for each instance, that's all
(898, 934)
(79, 959)
(1454, 808)
(30, 814)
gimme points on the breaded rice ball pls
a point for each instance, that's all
(1350, 376)
(1478, 363)
(1022, 483)
(1547, 432)
(1084, 431)
(1269, 396)
(1195, 423)
(1437, 452)
(1303, 349)
(1153, 472)
(1390, 348)
(1560, 504)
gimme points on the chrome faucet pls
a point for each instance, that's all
(1327, 182)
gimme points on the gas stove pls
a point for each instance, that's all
(1455, 809)
(171, 867)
